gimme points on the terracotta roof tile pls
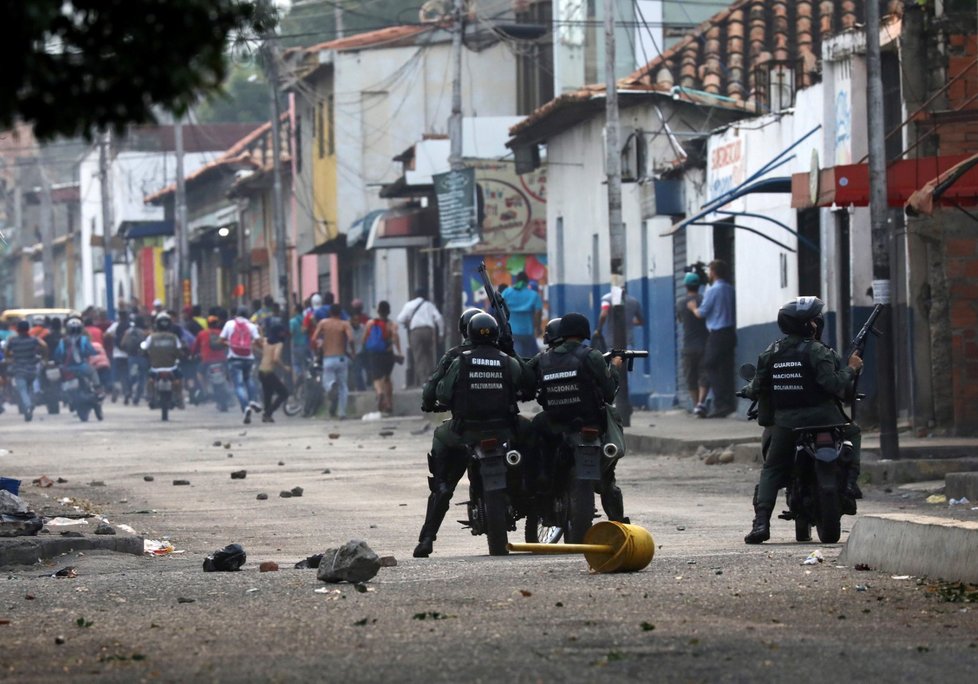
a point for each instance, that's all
(380, 37)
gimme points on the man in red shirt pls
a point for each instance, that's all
(210, 349)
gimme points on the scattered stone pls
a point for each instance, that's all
(726, 456)
(387, 561)
(216, 443)
(239, 474)
(148, 478)
(268, 566)
(70, 572)
(181, 483)
(44, 481)
(312, 561)
(227, 445)
(392, 447)
(712, 458)
(308, 448)
(285, 494)
(11, 503)
(96, 483)
(104, 528)
(61, 480)
(281, 463)
(327, 471)
(297, 491)
(184, 599)
(386, 433)
(717, 571)
(361, 587)
(352, 562)
(230, 455)
(373, 527)
(228, 559)
(681, 528)
(262, 496)
(71, 533)
(59, 640)
(701, 452)
(332, 435)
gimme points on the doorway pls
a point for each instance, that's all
(724, 246)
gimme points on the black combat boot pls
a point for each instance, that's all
(438, 502)
(761, 531)
(614, 506)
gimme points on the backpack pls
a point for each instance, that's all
(214, 341)
(377, 339)
(240, 341)
(131, 341)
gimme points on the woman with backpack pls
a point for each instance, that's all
(382, 345)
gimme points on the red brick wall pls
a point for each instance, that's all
(961, 263)
(961, 138)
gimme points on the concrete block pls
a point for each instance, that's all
(916, 545)
(962, 484)
(28, 550)
(749, 453)
(914, 470)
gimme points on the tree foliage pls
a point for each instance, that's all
(313, 21)
(242, 98)
(73, 66)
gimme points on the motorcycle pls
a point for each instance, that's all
(81, 396)
(309, 395)
(161, 387)
(217, 380)
(496, 494)
(568, 509)
(817, 491)
(50, 384)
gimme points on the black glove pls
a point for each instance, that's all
(427, 406)
(506, 345)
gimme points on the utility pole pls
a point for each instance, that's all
(338, 19)
(104, 182)
(278, 205)
(616, 229)
(47, 236)
(181, 290)
(453, 284)
(881, 236)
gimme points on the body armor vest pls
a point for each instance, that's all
(567, 390)
(485, 389)
(164, 350)
(793, 383)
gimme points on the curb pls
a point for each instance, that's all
(29, 550)
(915, 469)
(914, 545)
(671, 446)
(962, 484)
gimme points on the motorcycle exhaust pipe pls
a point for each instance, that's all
(610, 450)
(513, 458)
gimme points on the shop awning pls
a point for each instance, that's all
(404, 227)
(848, 185)
(133, 230)
(360, 230)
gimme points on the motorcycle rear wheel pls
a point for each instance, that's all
(164, 399)
(296, 402)
(580, 510)
(538, 533)
(829, 522)
(495, 504)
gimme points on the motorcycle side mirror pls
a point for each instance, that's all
(748, 371)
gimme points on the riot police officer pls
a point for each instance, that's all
(814, 398)
(429, 400)
(576, 388)
(480, 387)
(551, 334)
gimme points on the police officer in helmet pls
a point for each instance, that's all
(480, 387)
(812, 398)
(551, 334)
(576, 388)
(429, 400)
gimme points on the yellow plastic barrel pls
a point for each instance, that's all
(608, 547)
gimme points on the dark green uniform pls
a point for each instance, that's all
(482, 406)
(799, 383)
(429, 397)
(577, 387)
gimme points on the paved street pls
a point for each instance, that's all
(708, 608)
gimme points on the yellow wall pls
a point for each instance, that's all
(323, 156)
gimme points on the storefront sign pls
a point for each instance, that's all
(457, 208)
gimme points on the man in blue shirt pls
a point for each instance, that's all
(525, 313)
(719, 311)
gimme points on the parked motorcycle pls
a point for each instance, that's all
(817, 491)
(81, 395)
(496, 493)
(310, 394)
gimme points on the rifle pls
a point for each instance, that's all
(858, 345)
(498, 304)
(627, 355)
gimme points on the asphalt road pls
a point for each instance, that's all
(708, 608)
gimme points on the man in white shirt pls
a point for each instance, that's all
(424, 325)
(240, 335)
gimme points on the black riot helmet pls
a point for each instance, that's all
(463, 320)
(574, 325)
(796, 317)
(551, 334)
(483, 329)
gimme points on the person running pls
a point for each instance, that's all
(274, 390)
(335, 337)
(241, 336)
(382, 345)
(23, 354)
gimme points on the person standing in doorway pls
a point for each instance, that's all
(694, 344)
(718, 309)
(335, 337)
(424, 326)
(525, 315)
